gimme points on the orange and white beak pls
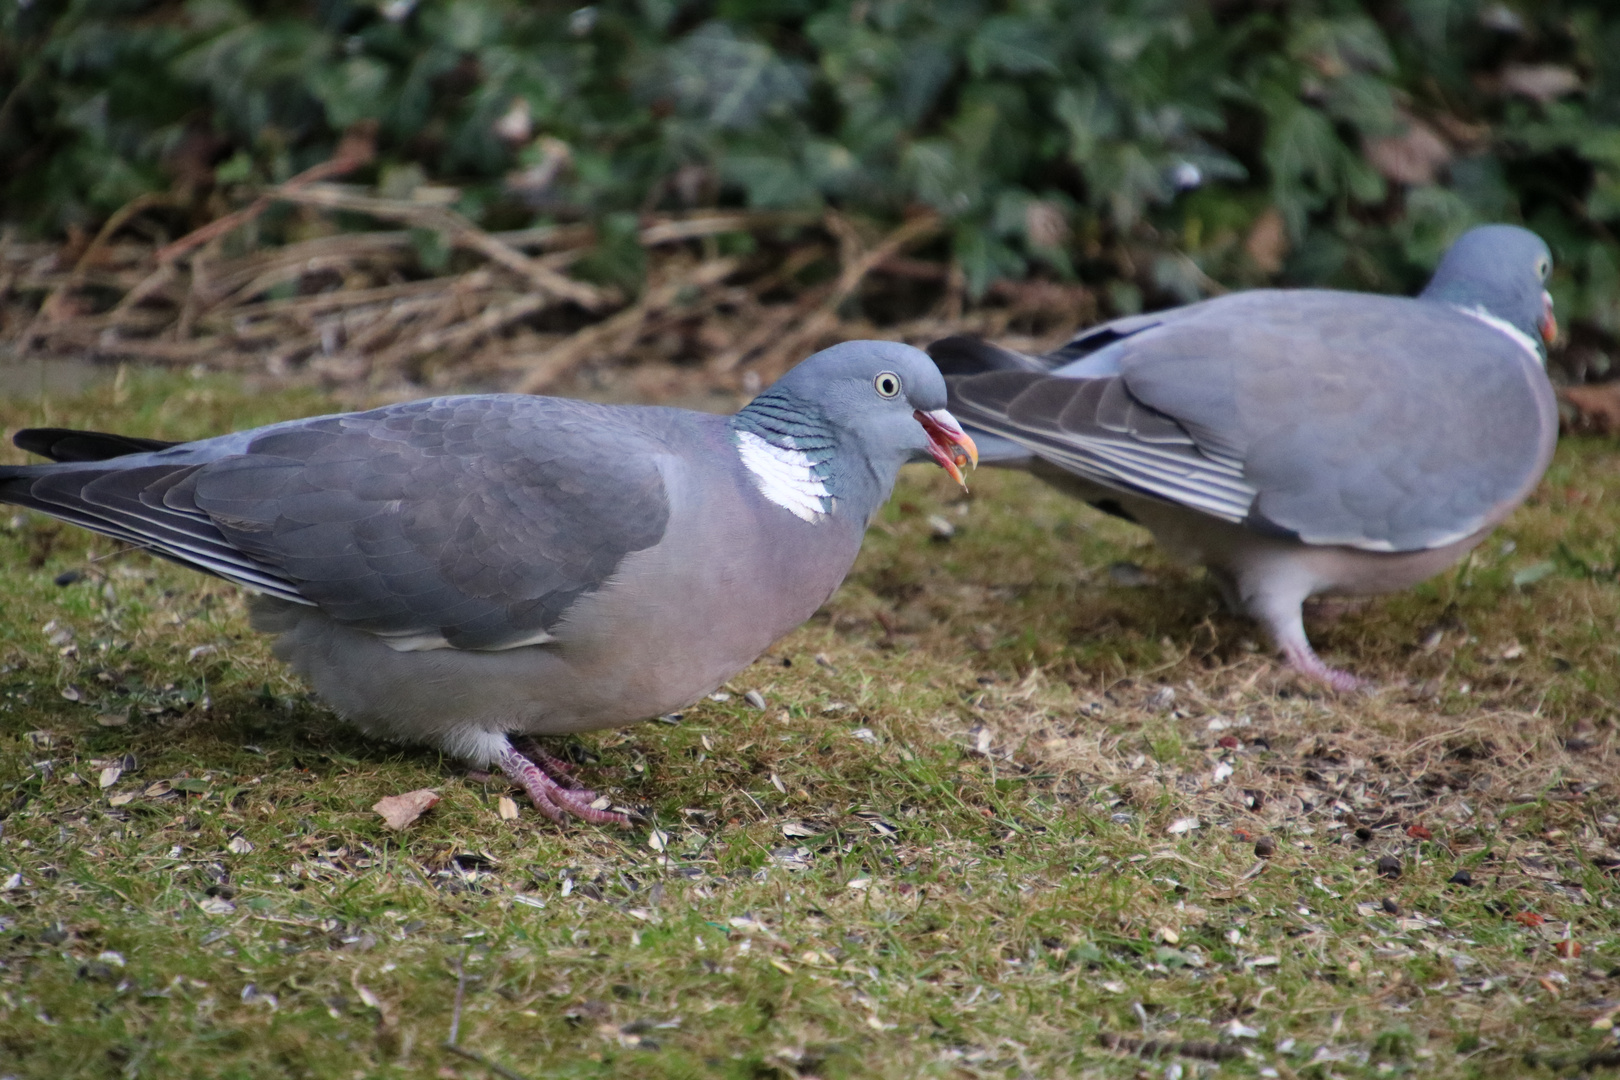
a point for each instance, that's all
(1549, 324)
(948, 443)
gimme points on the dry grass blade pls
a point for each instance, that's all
(357, 147)
(462, 232)
(493, 1066)
(857, 264)
(298, 306)
(52, 310)
(694, 228)
(616, 332)
(465, 332)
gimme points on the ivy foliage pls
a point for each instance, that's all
(1149, 145)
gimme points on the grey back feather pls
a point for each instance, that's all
(1376, 422)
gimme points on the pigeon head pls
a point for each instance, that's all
(855, 413)
(1501, 271)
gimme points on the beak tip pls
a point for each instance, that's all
(949, 445)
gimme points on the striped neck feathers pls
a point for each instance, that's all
(787, 446)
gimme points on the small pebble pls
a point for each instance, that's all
(1390, 906)
(939, 528)
(1462, 877)
(68, 577)
(1265, 847)
(1389, 866)
(1129, 575)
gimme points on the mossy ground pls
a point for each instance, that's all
(1003, 800)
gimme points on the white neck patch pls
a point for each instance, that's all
(786, 476)
(1522, 339)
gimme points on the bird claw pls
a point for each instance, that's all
(1307, 663)
(554, 793)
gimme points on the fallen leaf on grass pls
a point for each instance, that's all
(399, 811)
(1597, 408)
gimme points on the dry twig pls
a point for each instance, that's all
(622, 329)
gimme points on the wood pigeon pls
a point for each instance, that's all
(1294, 442)
(454, 571)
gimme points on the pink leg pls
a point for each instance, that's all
(1302, 658)
(554, 793)
(1279, 611)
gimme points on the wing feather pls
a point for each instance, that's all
(471, 522)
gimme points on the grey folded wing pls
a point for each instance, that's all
(471, 523)
(1374, 422)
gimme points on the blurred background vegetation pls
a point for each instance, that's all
(1151, 151)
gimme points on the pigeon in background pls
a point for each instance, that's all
(1294, 442)
(456, 571)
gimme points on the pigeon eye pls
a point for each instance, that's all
(1543, 267)
(887, 384)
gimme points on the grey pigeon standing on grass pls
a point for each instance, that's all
(456, 571)
(1295, 443)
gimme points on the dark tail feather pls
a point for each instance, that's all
(63, 444)
(963, 355)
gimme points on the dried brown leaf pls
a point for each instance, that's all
(1415, 156)
(1539, 82)
(400, 811)
(1597, 408)
(1267, 242)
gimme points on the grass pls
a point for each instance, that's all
(1003, 801)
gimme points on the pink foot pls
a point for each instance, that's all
(553, 792)
(1304, 660)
